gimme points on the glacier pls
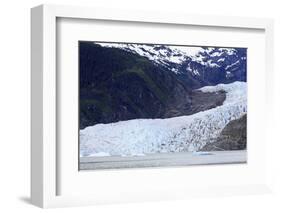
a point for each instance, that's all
(178, 134)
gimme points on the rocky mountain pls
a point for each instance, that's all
(232, 137)
(122, 81)
(196, 66)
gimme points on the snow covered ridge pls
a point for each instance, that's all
(178, 134)
(171, 56)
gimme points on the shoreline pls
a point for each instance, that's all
(175, 159)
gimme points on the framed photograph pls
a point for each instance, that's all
(154, 105)
(149, 106)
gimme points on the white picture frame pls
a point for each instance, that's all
(44, 153)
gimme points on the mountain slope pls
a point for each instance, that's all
(232, 137)
(116, 85)
(197, 66)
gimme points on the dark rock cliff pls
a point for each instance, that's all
(232, 137)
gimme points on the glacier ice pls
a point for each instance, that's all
(177, 134)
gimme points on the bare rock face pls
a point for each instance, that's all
(232, 137)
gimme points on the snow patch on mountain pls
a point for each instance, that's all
(178, 134)
(232, 65)
(171, 56)
(168, 56)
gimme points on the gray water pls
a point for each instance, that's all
(164, 160)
